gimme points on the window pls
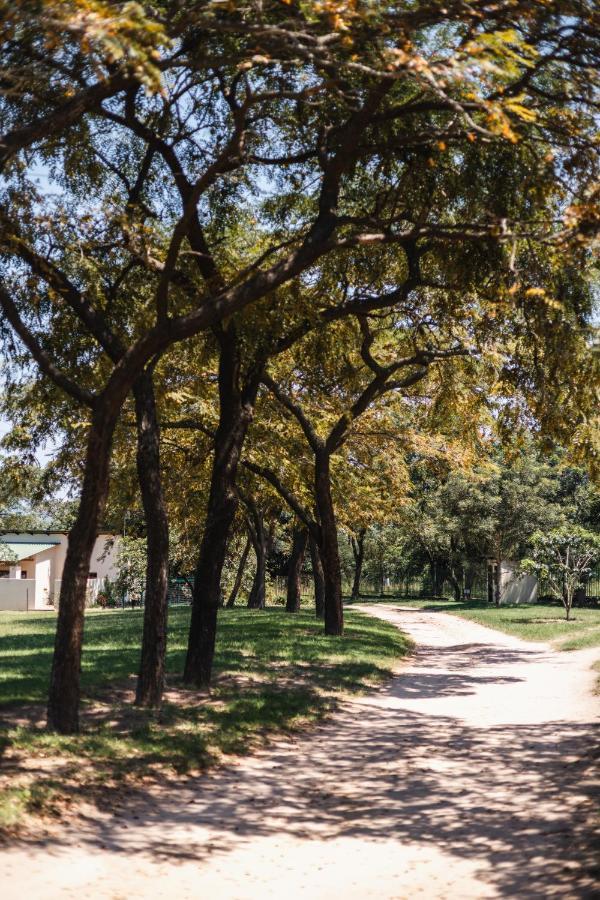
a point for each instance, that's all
(4, 573)
(92, 574)
(23, 573)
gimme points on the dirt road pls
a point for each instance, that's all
(470, 775)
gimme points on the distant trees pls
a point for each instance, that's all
(452, 523)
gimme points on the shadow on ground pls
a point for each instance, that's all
(517, 801)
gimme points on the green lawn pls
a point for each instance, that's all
(535, 622)
(274, 671)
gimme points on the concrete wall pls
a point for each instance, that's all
(43, 569)
(104, 557)
(17, 594)
(515, 586)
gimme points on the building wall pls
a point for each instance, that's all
(515, 586)
(44, 571)
(17, 594)
(103, 563)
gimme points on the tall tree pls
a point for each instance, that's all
(294, 584)
(365, 122)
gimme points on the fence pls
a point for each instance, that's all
(590, 588)
(414, 586)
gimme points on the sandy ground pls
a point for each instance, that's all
(472, 774)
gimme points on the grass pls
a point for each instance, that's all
(532, 622)
(273, 673)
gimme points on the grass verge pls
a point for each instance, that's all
(273, 672)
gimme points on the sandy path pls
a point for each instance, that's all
(469, 776)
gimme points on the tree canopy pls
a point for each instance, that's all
(303, 241)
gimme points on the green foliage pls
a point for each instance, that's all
(564, 558)
(131, 567)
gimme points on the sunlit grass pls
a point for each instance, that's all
(273, 672)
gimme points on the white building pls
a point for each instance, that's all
(31, 566)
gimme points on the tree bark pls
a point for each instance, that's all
(235, 413)
(63, 695)
(358, 551)
(490, 582)
(318, 578)
(497, 581)
(257, 598)
(455, 586)
(151, 678)
(328, 546)
(469, 581)
(300, 537)
(239, 575)
(438, 573)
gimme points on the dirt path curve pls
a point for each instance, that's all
(469, 776)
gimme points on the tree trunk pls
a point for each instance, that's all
(328, 546)
(490, 582)
(318, 578)
(239, 575)
(438, 576)
(358, 551)
(235, 413)
(455, 586)
(63, 695)
(151, 678)
(469, 581)
(295, 569)
(257, 597)
(497, 582)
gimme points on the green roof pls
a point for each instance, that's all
(13, 551)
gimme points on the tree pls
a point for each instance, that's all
(324, 530)
(365, 122)
(318, 577)
(486, 511)
(294, 587)
(358, 552)
(563, 557)
(131, 567)
(237, 581)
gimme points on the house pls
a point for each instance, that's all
(31, 566)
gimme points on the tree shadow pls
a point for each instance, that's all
(515, 799)
(517, 802)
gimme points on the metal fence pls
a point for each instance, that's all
(414, 586)
(590, 588)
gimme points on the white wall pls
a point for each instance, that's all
(17, 594)
(43, 568)
(104, 557)
(515, 586)
(103, 562)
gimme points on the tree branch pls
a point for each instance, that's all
(41, 357)
(296, 410)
